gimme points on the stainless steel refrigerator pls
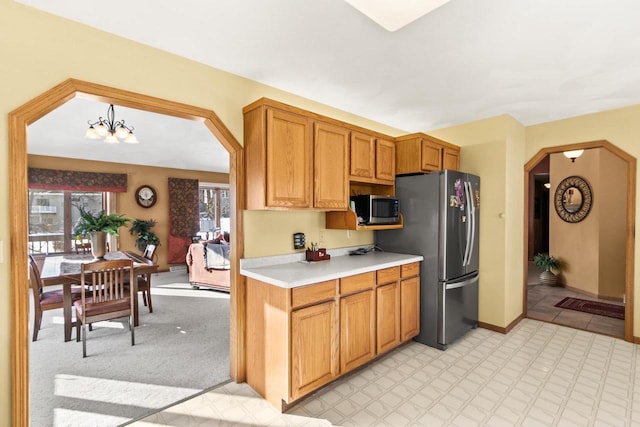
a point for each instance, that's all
(441, 213)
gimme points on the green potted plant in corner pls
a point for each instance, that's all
(97, 226)
(144, 236)
(547, 263)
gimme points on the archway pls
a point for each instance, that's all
(31, 111)
(630, 217)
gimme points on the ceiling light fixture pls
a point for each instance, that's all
(395, 14)
(111, 130)
(573, 154)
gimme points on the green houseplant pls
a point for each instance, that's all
(97, 226)
(144, 236)
(547, 263)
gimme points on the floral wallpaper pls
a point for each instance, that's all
(184, 217)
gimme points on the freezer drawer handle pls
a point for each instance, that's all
(462, 284)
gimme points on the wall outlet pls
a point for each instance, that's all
(321, 238)
(348, 234)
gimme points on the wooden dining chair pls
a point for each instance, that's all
(108, 298)
(144, 281)
(82, 247)
(44, 300)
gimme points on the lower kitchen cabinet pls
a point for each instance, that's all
(314, 358)
(357, 330)
(388, 317)
(301, 338)
(410, 308)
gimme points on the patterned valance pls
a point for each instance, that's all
(53, 179)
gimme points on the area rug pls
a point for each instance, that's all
(593, 307)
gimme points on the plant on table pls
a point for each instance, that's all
(97, 226)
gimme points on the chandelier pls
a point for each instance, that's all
(110, 130)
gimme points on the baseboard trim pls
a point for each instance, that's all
(501, 329)
(636, 340)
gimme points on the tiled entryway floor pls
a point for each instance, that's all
(539, 374)
(541, 302)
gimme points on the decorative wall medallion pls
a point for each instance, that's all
(573, 199)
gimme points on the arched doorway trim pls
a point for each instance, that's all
(631, 217)
(28, 113)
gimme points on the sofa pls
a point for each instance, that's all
(208, 265)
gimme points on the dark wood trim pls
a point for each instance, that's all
(33, 110)
(501, 329)
(631, 217)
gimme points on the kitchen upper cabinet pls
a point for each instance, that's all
(372, 159)
(295, 159)
(422, 153)
(314, 348)
(362, 156)
(278, 166)
(385, 160)
(288, 165)
(357, 328)
(331, 160)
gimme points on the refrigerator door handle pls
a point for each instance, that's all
(467, 258)
(472, 215)
(456, 285)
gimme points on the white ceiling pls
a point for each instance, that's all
(537, 60)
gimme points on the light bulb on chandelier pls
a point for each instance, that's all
(112, 131)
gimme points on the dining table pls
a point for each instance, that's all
(64, 269)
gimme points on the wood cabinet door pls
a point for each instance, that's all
(314, 348)
(330, 166)
(409, 308)
(362, 155)
(288, 169)
(450, 159)
(430, 155)
(385, 160)
(387, 317)
(357, 327)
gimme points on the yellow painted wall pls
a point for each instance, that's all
(39, 51)
(620, 127)
(493, 149)
(126, 203)
(613, 225)
(577, 245)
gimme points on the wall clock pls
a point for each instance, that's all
(573, 199)
(146, 196)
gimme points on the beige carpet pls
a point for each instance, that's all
(182, 348)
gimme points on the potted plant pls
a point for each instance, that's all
(142, 228)
(547, 263)
(97, 226)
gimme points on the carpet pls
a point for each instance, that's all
(182, 348)
(593, 307)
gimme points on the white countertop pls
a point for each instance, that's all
(301, 273)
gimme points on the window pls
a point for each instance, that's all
(215, 210)
(53, 215)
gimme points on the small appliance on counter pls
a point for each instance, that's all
(441, 213)
(376, 209)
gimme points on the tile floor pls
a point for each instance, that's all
(541, 302)
(540, 374)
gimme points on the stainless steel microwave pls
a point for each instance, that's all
(375, 209)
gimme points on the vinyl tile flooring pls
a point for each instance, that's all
(539, 374)
(541, 302)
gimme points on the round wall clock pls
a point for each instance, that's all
(573, 199)
(145, 196)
